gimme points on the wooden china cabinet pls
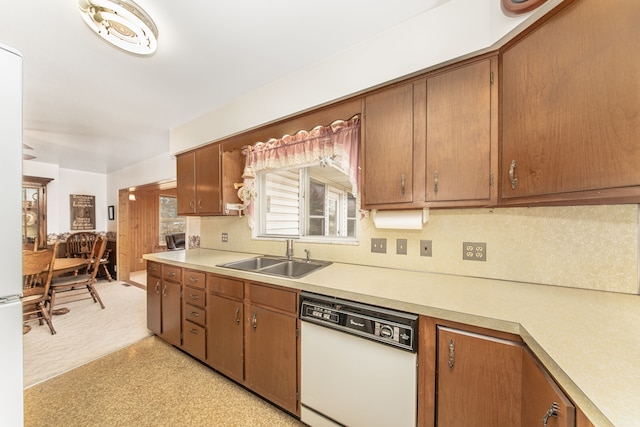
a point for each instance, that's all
(34, 210)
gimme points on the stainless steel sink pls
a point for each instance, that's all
(275, 266)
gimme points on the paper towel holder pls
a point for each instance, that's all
(425, 215)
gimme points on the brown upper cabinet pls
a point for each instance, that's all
(393, 143)
(433, 141)
(205, 179)
(462, 138)
(571, 108)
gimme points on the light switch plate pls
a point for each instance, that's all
(379, 246)
(401, 246)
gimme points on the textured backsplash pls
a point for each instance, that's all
(591, 247)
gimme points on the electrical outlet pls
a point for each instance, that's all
(401, 246)
(426, 249)
(474, 251)
(225, 237)
(379, 246)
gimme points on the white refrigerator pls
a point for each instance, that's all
(11, 379)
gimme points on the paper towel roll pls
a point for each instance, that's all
(400, 220)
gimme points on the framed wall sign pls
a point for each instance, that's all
(82, 212)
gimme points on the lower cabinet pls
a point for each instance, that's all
(484, 379)
(163, 301)
(271, 344)
(170, 305)
(225, 331)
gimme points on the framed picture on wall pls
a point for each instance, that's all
(82, 212)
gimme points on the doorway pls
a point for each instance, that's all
(142, 223)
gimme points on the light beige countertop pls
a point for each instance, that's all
(588, 340)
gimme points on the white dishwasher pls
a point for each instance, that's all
(358, 364)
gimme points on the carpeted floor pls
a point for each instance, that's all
(85, 333)
(149, 383)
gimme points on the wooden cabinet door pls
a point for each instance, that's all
(459, 134)
(540, 393)
(154, 301)
(388, 147)
(171, 312)
(571, 105)
(271, 356)
(478, 380)
(208, 196)
(225, 336)
(186, 183)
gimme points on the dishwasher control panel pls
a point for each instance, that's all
(390, 327)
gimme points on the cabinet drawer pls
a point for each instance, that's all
(225, 286)
(171, 273)
(194, 279)
(194, 314)
(274, 297)
(194, 296)
(154, 269)
(194, 339)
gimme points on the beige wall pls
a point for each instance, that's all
(592, 247)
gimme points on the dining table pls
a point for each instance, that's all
(66, 265)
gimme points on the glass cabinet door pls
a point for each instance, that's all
(34, 211)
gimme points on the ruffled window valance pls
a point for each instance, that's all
(335, 145)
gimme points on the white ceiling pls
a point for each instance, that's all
(90, 106)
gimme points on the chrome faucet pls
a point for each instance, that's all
(308, 252)
(289, 249)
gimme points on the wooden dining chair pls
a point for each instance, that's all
(74, 287)
(81, 245)
(37, 270)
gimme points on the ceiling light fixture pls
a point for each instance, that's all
(122, 23)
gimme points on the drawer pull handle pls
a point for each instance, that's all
(194, 314)
(192, 296)
(193, 279)
(194, 331)
(512, 175)
(171, 273)
(237, 316)
(451, 355)
(551, 412)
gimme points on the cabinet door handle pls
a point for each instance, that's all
(192, 204)
(237, 316)
(254, 321)
(200, 204)
(164, 291)
(551, 412)
(403, 183)
(158, 287)
(451, 354)
(512, 175)
(435, 182)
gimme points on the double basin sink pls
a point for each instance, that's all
(277, 266)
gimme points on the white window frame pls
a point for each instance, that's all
(262, 211)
